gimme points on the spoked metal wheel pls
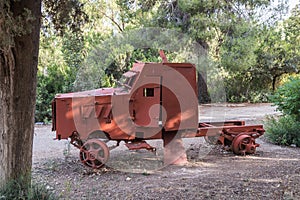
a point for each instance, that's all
(94, 153)
(243, 144)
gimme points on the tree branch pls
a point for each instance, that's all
(112, 20)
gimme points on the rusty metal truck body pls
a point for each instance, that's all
(152, 101)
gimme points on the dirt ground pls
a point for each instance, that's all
(212, 173)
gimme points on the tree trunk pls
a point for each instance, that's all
(274, 79)
(203, 95)
(18, 69)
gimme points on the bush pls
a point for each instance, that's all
(287, 98)
(286, 129)
(283, 131)
(49, 84)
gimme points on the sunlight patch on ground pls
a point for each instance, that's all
(274, 159)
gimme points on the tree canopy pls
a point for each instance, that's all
(249, 45)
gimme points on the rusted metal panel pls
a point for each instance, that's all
(147, 103)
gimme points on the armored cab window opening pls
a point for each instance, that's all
(148, 92)
(127, 80)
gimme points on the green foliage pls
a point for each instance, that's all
(145, 55)
(237, 52)
(283, 131)
(14, 191)
(274, 57)
(231, 33)
(287, 98)
(49, 84)
(286, 129)
(72, 53)
(62, 16)
(61, 53)
(121, 65)
(292, 28)
(251, 54)
(255, 59)
(238, 58)
(114, 56)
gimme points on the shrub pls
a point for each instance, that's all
(49, 84)
(283, 131)
(286, 129)
(287, 98)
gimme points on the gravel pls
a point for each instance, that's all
(212, 173)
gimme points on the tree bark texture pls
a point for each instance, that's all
(203, 95)
(18, 69)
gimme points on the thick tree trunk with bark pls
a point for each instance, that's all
(18, 69)
(203, 95)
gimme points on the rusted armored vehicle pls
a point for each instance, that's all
(152, 101)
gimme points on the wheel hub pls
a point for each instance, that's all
(243, 144)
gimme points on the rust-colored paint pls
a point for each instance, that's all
(153, 101)
(121, 112)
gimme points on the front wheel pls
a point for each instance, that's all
(94, 153)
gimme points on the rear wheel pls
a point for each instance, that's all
(243, 144)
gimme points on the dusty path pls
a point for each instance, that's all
(272, 173)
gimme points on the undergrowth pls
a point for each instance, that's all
(286, 129)
(14, 191)
(283, 131)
